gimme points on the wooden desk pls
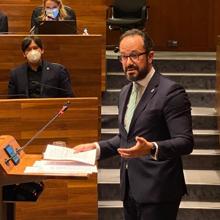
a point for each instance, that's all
(64, 197)
(90, 14)
(81, 55)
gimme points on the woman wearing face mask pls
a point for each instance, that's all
(51, 10)
(38, 78)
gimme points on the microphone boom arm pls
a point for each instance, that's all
(62, 110)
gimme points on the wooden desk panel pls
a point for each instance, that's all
(81, 55)
(23, 118)
(62, 199)
(90, 14)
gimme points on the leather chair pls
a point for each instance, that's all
(127, 14)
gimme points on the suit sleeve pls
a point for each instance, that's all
(3, 23)
(35, 18)
(177, 114)
(65, 83)
(12, 89)
(108, 148)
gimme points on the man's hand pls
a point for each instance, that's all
(84, 147)
(141, 148)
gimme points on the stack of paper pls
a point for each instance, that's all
(63, 160)
(64, 153)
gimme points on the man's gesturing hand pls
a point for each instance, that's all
(141, 148)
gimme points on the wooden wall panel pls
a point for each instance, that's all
(194, 24)
(23, 118)
(81, 55)
(63, 199)
(187, 22)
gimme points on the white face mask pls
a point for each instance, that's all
(34, 56)
(52, 13)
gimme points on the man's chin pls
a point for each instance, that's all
(132, 75)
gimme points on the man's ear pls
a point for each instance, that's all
(24, 55)
(150, 56)
(42, 51)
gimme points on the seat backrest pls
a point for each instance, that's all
(129, 6)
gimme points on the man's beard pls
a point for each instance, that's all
(139, 75)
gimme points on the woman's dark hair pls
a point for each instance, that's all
(27, 41)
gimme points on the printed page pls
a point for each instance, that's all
(54, 152)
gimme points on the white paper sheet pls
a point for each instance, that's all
(60, 167)
(54, 152)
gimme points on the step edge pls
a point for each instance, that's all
(183, 204)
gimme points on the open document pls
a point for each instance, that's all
(54, 152)
(63, 160)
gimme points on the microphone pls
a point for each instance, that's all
(48, 86)
(32, 30)
(58, 114)
(116, 49)
(13, 95)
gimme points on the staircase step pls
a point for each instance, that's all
(203, 139)
(193, 177)
(172, 55)
(173, 62)
(198, 98)
(203, 118)
(109, 210)
(202, 185)
(116, 80)
(199, 159)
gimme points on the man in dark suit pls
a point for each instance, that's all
(38, 78)
(3, 22)
(155, 130)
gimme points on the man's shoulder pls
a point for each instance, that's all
(2, 15)
(20, 68)
(168, 83)
(55, 66)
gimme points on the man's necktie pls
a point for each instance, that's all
(133, 101)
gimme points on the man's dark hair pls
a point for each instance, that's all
(27, 41)
(148, 42)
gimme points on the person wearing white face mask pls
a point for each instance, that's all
(38, 78)
(49, 11)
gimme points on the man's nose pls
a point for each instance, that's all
(129, 61)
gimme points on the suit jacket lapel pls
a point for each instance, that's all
(45, 69)
(148, 94)
(123, 105)
(24, 79)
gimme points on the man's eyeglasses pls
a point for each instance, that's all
(133, 56)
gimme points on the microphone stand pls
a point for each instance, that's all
(61, 112)
(48, 86)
